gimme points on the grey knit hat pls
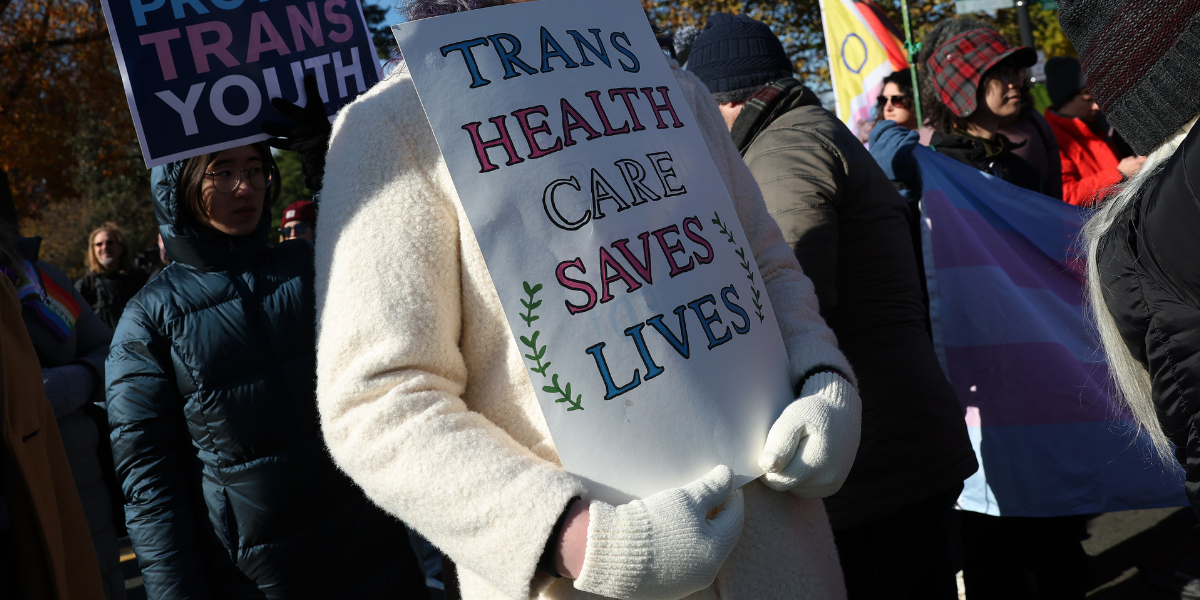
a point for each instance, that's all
(1141, 59)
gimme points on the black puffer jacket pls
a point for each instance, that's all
(212, 401)
(1150, 275)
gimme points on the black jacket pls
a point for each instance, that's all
(230, 492)
(1150, 274)
(108, 293)
(850, 231)
(995, 158)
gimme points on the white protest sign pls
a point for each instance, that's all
(624, 273)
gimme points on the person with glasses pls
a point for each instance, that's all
(895, 102)
(230, 492)
(979, 80)
(1030, 134)
(299, 221)
(111, 279)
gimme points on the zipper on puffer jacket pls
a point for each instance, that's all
(252, 305)
(231, 529)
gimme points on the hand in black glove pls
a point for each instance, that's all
(309, 136)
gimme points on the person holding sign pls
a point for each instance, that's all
(231, 493)
(426, 401)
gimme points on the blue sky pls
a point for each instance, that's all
(393, 15)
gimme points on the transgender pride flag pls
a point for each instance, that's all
(1006, 305)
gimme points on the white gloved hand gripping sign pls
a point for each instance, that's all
(665, 546)
(812, 445)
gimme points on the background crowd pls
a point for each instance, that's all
(184, 408)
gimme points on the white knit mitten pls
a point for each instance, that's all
(666, 546)
(811, 447)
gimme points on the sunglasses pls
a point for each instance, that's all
(897, 101)
(299, 228)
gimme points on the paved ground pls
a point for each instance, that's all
(133, 577)
(1139, 554)
(1135, 555)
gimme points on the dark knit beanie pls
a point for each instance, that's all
(1141, 59)
(1064, 79)
(734, 55)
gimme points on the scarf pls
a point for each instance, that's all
(55, 306)
(773, 100)
(991, 148)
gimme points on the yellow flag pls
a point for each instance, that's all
(864, 47)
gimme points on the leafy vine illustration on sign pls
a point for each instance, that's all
(537, 353)
(741, 252)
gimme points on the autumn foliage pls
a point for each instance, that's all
(798, 25)
(69, 157)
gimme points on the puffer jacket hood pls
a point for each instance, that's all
(230, 492)
(186, 241)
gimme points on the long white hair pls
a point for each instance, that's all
(1130, 378)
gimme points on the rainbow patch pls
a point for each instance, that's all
(55, 306)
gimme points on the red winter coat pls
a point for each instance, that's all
(1088, 161)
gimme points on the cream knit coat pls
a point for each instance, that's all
(425, 400)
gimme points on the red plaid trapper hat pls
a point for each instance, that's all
(960, 64)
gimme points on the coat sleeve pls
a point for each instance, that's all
(810, 343)
(801, 175)
(390, 371)
(154, 459)
(1081, 191)
(92, 335)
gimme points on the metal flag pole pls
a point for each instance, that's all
(912, 49)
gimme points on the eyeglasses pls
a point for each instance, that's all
(226, 181)
(897, 101)
(300, 228)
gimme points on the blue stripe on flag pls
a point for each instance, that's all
(1128, 478)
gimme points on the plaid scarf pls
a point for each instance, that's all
(773, 100)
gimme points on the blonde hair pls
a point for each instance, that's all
(124, 262)
(1131, 380)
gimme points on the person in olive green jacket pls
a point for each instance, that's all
(850, 230)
